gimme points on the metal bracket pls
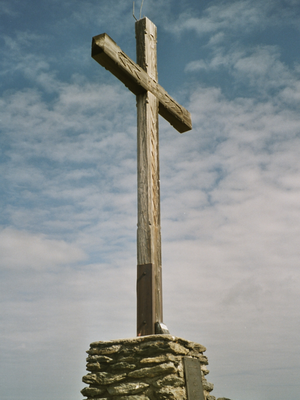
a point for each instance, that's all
(161, 328)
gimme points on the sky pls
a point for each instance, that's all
(230, 191)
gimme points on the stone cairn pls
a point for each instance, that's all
(144, 368)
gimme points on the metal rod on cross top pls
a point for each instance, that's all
(141, 78)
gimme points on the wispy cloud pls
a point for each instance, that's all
(260, 68)
(236, 15)
(74, 131)
(22, 250)
(230, 201)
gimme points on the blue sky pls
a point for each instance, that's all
(230, 191)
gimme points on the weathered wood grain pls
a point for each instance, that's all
(141, 78)
(148, 232)
(108, 54)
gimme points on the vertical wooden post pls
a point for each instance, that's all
(141, 79)
(149, 282)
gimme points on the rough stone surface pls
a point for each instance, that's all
(171, 393)
(93, 367)
(102, 378)
(142, 397)
(123, 365)
(159, 359)
(153, 371)
(170, 380)
(207, 386)
(100, 359)
(127, 388)
(92, 392)
(223, 398)
(143, 368)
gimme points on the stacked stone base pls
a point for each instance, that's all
(143, 368)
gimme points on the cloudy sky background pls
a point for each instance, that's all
(230, 191)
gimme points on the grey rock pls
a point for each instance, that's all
(111, 349)
(129, 359)
(149, 348)
(102, 378)
(204, 369)
(180, 370)
(159, 359)
(170, 380)
(123, 365)
(93, 367)
(194, 346)
(202, 359)
(223, 398)
(194, 353)
(170, 393)
(92, 392)
(127, 388)
(167, 368)
(89, 379)
(154, 361)
(137, 397)
(105, 350)
(100, 359)
(135, 340)
(159, 346)
(207, 386)
(149, 338)
(177, 348)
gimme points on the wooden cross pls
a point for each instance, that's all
(141, 79)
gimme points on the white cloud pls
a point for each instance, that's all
(264, 69)
(258, 68)
(22, 250)
(225, 16)
(291, 94)
(231, 220)
(196, 66)
(228, 17)
(230, 215)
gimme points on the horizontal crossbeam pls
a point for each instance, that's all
(108, 54)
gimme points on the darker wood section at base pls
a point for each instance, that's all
(145, 300)
(193, 378)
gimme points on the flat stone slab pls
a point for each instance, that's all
(144, 368)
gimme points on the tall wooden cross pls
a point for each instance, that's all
(141, 79)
